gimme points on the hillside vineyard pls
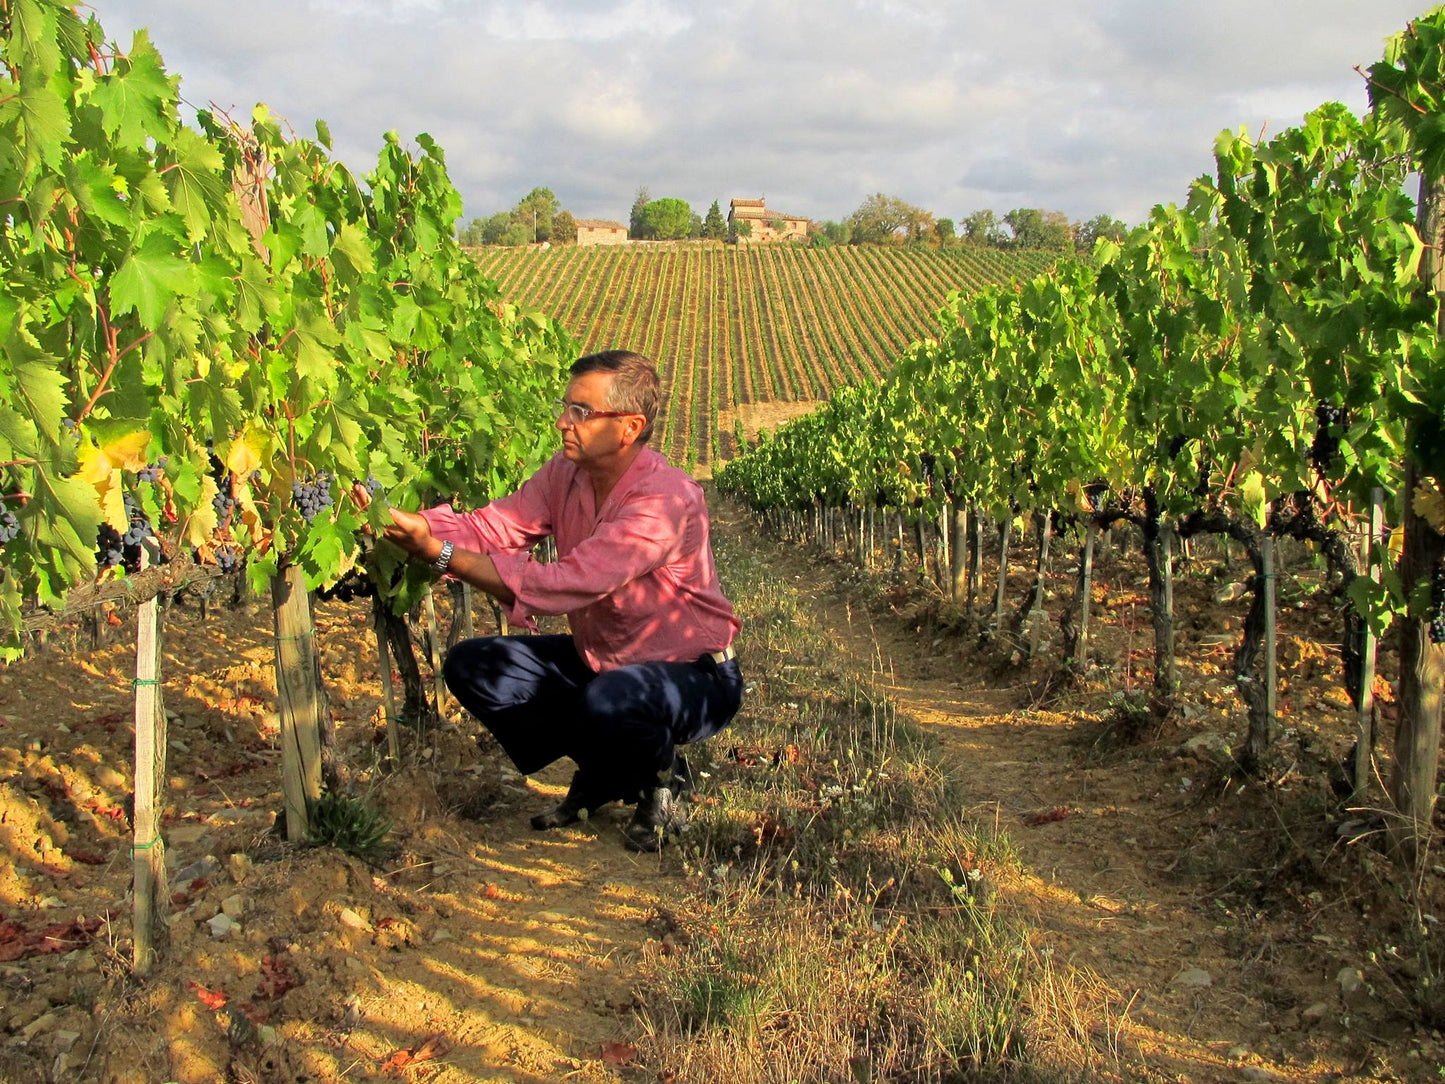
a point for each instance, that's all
(733, 326)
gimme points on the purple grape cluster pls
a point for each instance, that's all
(223, 502)
(151, 472)
(108, 549)
(313, 495)
(1331, 422)
(372, 483)
(228, 559)
(9, 525)
(140, 524)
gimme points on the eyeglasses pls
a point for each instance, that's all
(576, 413)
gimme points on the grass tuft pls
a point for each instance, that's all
(845, 920)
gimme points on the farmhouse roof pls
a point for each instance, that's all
(757, 210)
(600, 224)
(747, 203)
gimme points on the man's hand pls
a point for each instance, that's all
(408, 530)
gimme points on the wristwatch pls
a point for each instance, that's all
(444, 558)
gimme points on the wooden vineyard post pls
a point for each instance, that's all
(300, 699)
(898, 553)
(1004, 530)
(1271, 690)
(920, 530)
(943, 553)
(862, 538)
(1086, 588)
(388, 692)
(434, 651)
(148, 849)
(469, 626)
(959, 561)
(1365, 723)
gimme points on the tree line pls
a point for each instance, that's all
(879, 219)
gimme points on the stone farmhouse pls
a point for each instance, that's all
(765, 225)
(600, 231)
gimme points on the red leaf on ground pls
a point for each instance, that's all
(491, 892)
(17, 943)
(618, 1054)
(434, 1047)
(276, 977)
(211, 999)
(89, 858)
(1058, 813)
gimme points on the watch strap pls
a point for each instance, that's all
(444, 559)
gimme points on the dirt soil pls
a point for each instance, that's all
(1227, 924)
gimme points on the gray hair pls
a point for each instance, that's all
(635, 388)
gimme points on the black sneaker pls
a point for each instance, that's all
(658, 816)
(577, 805)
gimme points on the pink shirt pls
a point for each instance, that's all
(636, 578)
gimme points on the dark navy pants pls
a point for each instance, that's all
(543, 702)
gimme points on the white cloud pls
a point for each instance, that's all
(1101, 105)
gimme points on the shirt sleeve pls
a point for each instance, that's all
(510, 524)
(646, 533)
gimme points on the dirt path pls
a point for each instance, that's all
(1124, 876)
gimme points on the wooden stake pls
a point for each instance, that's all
(1086, 576)
(1365, 721)
(1271, 690)
(958, 580)
(434, 652)
(148, 849)
(388, 692)
(300, 699)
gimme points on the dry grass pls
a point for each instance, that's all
(844, 921)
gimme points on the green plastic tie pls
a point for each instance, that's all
(143, 846)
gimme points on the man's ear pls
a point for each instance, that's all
(632, 429)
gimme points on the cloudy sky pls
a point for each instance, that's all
(1086, 106)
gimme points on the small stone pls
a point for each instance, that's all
(179, 746)
(65, 1041)
(186, 833)
(201, 867)
(1316, 1012)
(1230, 591)
(1351, 981)
(233, 906)
(1195, 977)
(222, 925)
(41, 1023)
(443, 935)
(239, 866)
(109, 778)
(354, 921)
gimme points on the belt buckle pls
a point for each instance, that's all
(724, 655)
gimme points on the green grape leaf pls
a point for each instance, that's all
(149, 280)
(193, 176)
(43, 118)
(136, 99)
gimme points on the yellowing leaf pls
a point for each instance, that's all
(1429, 504)
(245, 453)
(126, 452)
(203, 520)
(1251, 491)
